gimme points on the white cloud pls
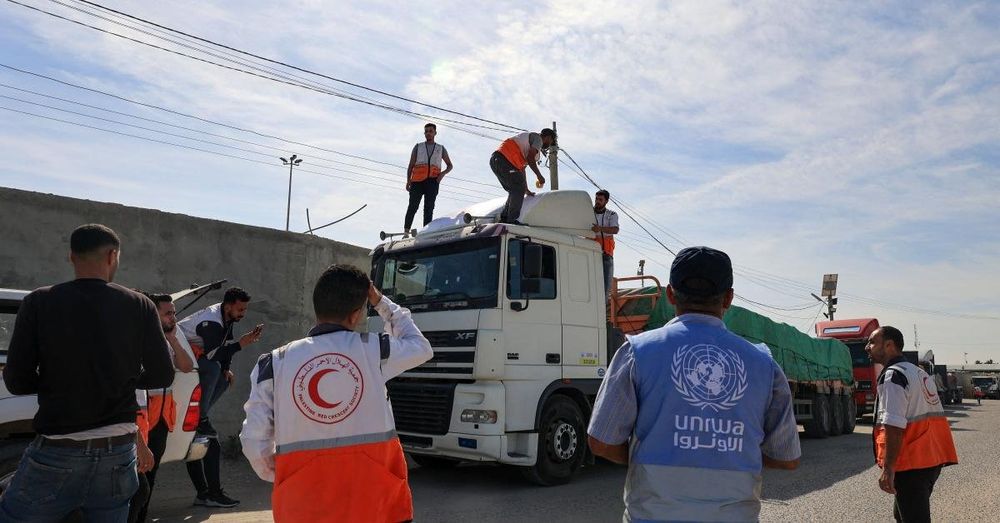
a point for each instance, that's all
(770, 128)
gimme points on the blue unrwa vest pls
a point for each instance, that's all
(702, 394)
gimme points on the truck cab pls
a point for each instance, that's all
(517, 318)
(854, 333)
(989, 385)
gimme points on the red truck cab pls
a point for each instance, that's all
(854, 333)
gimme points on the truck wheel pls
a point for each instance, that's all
(562, 443)
(819, 425)
(836, 415)
(433, 462)
(850, 414)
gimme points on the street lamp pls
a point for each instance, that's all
(291, 163)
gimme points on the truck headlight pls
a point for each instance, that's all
(479, 416)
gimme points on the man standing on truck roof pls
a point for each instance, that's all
(703, 409)
(319, 424)
(912, 438)
(606, 227)
(424, 175)
(161, 410)
(508, 163)
(210, 333)
(83, 346)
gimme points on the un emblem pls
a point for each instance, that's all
(709, 377)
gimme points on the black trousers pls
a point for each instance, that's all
(158, 445)
(913, 494)
(206, 473)
(514, 182)
(428, 190)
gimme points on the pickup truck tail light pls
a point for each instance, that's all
(193, 413)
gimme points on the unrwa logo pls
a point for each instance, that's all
(709, 377)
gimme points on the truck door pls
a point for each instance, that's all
(532, 318)
(581, 314)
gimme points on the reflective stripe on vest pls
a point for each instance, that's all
(703, 392)
(927, 440)
(427, 167)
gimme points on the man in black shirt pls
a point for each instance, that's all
(83, 346)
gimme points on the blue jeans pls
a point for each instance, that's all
(51, 482)
(213, 384)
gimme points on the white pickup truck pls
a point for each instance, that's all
(17, 412)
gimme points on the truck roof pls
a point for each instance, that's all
(559, 216)
(847, 329)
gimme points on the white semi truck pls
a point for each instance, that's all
(518, 321)
(517, 318)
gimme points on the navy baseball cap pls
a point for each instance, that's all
(706, 264)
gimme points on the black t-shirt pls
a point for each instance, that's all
(84, 347)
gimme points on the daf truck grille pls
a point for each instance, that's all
(454, 355)
(423, 408)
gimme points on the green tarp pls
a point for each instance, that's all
(802, 357)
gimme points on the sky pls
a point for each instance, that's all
(802, 138)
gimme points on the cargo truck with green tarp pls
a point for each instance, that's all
(819, 371)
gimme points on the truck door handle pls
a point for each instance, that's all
(553, 357)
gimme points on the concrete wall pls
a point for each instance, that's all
(166, 252)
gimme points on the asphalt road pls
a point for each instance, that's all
(835, 482)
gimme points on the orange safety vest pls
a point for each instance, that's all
(515, 149)
(162, 406)
(337, 457)
(927, 440)
(427, 166)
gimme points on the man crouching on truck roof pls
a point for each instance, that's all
(319, 424)
(704, 408)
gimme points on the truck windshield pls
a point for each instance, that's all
(858, 355)
(459, 275)
(983, 383)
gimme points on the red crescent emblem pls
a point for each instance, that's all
(343, 388)
(314, 390)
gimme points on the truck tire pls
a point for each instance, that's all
(850, 414)
(819, 425)
(562, 443)
(433, 462)
(836, 415)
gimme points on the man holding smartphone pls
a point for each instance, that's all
(210, 333)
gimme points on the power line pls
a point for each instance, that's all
(274, 78)
(209, 142)
(341, 94)
(208, 151)
(304, 70)
(205, 120)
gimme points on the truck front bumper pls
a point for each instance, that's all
(509, 449)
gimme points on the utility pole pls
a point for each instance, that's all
(554, 161)
(830, 293)
(916, 339)
(291, 163)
